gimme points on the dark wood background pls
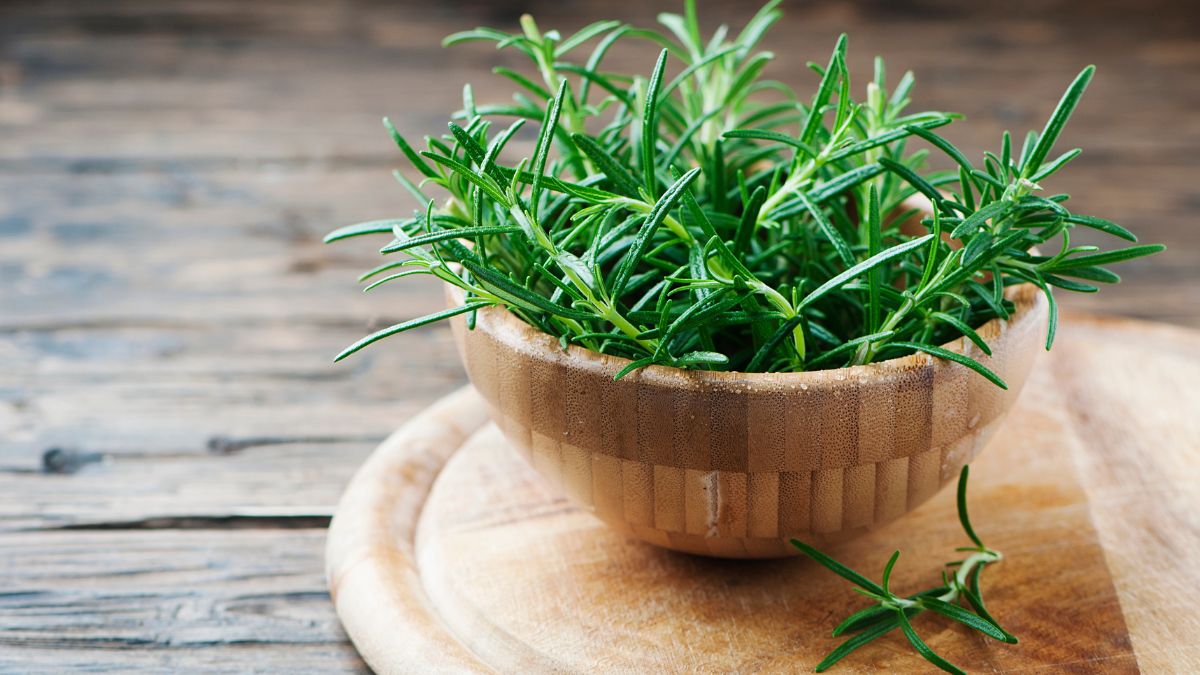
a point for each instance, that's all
(173, 437)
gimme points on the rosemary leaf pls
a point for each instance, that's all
(840, 569)
(409, 325)
(955, 357)
(923, 649)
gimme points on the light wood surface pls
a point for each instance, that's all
(168, 167)
(732, 464)
(1090, 490)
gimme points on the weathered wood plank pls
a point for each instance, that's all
(286, 485)
(74, 388)
(230, 659)
(159, 600)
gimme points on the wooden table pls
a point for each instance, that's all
(172, 435)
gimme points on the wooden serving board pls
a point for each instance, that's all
(448, 553)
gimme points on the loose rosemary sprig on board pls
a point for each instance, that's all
(960, 583)
(705, 217)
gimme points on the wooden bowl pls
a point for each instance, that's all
(732, 464)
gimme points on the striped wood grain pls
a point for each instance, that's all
(729, 464)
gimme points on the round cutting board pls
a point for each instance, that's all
(448, 553)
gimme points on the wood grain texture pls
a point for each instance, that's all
(167, 169)
(1140, 464)
(703, 470)
(527, 582)
(371, 547)
(167, 600)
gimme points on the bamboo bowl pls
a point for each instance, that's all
(732, 464)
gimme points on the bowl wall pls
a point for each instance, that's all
(732, 464)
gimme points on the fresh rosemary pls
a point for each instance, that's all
(960, 583)
(705, 217)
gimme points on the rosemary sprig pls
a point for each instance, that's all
(702, 216)
(960, 584)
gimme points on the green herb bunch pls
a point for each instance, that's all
(705, 217)
(960, 584)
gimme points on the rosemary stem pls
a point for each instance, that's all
(605, 309)
(672, 224)
(982, 557)
(867, 350)
(627, 328)
(794, 182)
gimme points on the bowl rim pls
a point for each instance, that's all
(498, 321)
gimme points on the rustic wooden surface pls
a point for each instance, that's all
(1090, 490)
(166, 172)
